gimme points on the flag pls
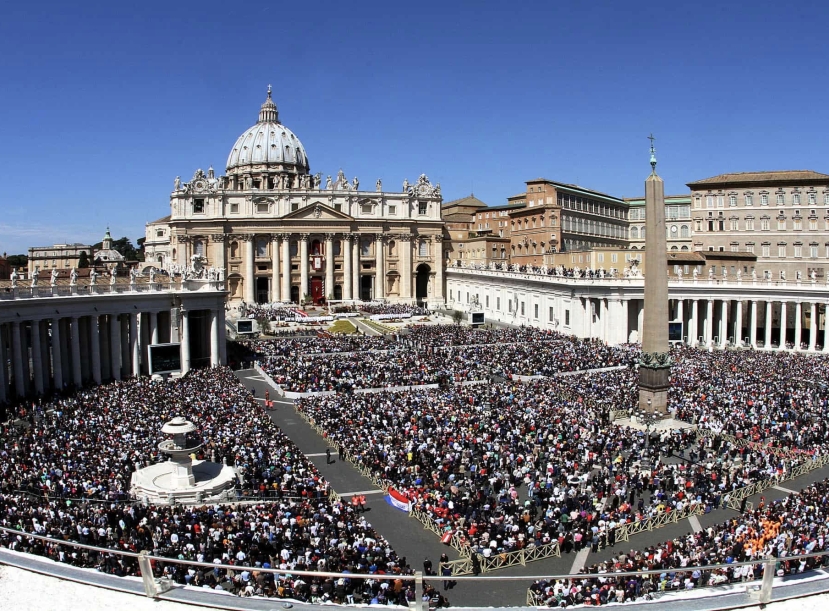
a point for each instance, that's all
(398, 499)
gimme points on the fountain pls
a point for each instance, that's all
(181, 479)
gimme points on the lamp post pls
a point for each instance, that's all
(647, 418)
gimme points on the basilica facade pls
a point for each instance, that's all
(283, 234)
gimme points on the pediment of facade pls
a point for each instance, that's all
(317, 211)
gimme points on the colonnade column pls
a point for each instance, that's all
(347, 268)
(303, 266)
(812, 326)
(135, 348)
(680, 313)
(781, 345)
(115, 346)
(406, 266)
(75, 328)
(215, 357)
(767, 340)
(95, 348)
(693, 323)
(3, 361)
(46, 369)
(17, 360)
(724, 323)
(57, 365)
(126, 352)
(798, 312)
(329, 266)
(184, 336)
(286, 267)
(153, 327)
(709, 323)
(275, 292)
(37, 360)
(752, 332)
(250, 272)
(438, 292)
(380, 274)
(624, 318)
(738, 324)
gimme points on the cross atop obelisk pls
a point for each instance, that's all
(655, 365)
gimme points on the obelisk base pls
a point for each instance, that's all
(654, 382)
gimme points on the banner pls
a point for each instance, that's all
(398, 500)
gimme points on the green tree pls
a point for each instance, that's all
(18, 260)
(83, 260)
(457, 316)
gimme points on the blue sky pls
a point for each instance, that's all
(103, 104)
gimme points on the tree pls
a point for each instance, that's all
(18, 260)
(83, 260)
(457, 316)
(125, 247)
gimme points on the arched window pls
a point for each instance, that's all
(316, 247)
(234, 250)
(642, 233)
(684, 231)
(261, 247)
(198, 247)
(392, 248)
(634, 233)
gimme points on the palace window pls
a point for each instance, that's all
(798, 250)
(750, 247)
(798, 224)
(812, 198)
(684, 231)
(765, 225)
(262, 207)
(813, 250)
(781, 224)
(198, 206)
(749, 200)
(781, 250)
(813, 224)
(234, 208)
(749, 224)
(365, 208)
(709, 201)
(733, 225)
(535, 311)
(796, 198)
(732, 200)
(392, 210)
(781, 199)
(766, 249)
(764, 200)
(422, 207)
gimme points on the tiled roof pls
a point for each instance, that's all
(773, 176)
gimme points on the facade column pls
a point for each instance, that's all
(769, 305)
(215, 357)
(153, 327)
(329, 266)
(437, 295)
(135, 348)
(640, 319)
(812, 326)
(115, 347)
(752, 331)
(184, 334)
(709, 323)
(624, 320)
(680, 313)
(380, 273)
(286, 267)
(222, 336)
(95, 348)
(355, 265)
(250, 271)
(275, 288)
(798, 328)
(724, 323)
(303, 266)
(57, 364)
(347, 268)
(17, 360)
(219, 248)
(406, 266)
(37, 358)
(738, 324)
(693, 323)
(75, 329)
(781, 344)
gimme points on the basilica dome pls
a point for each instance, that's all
(268, 143)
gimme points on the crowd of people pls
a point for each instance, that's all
(66, 474)
(266, 311)
(797, 525)
(320, 343)
(393, 308)
(505, 466)
(430, 355)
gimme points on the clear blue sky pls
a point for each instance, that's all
(104, 103)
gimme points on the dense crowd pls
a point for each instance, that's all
(268, 312)
(427, 356)
(67, 473)
(393, 308)
(510, 465)
(797, 525)
(320, 343)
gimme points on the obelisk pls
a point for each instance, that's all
(655, 364)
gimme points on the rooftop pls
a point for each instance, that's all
(771, 176)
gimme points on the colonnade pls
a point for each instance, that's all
(775, 323)
(90, 341)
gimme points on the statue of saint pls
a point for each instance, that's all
(54, 281)
(317, 180)
(93, 277)
(405, 185)
(378, 185)
(113, 275)
(328, 185)
(177, 184)
(152, 275)
(14, 276)
(355, 183)
(73, 277)
(35, 275)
